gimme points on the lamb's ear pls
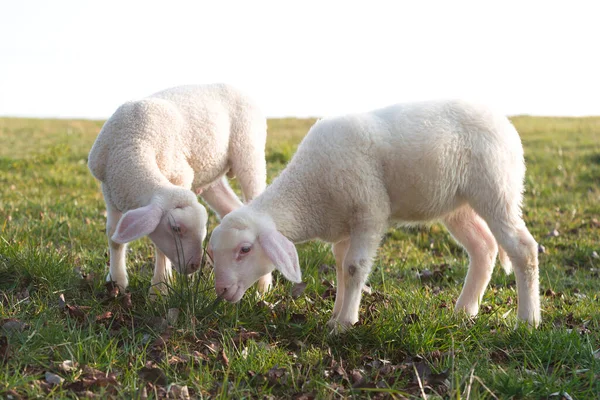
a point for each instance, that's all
(137, 223)
(282, 253)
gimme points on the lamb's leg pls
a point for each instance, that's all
(162, 274)
(512, 235)
(339, 250)
(474, 235)
(356, 268)
(221, 198)
(251, 170)
(117, 271)
(522, 250)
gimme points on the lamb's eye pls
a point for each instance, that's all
(245, 249)
(176, 229)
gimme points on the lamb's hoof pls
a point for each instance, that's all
(531, 318)
(121, 283)
(157, 291)
(337, 327)
(470, 309)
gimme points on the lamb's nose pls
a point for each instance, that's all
(221, 290)
(193, 268)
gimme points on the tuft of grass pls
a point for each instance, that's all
(409, 342)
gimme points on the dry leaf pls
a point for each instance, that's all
(154, 375)
(224, 358)
(77, 312)
(178, 392)
(4, 351)
(67, 366)
(112, 289)
(298, 289)
(172, 315)
(104, 316)
(61, 301)
(126, 302)
(53, 379)
(13, 325)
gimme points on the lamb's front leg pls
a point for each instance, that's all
(339, 250)
(221, 198)
(117, 271)
(356, 268)
(162, 275)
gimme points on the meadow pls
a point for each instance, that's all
(65, 333)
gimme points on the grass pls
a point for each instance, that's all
(409, 343)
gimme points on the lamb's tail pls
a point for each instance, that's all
(504, 260)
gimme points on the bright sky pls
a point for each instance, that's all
(305, 58)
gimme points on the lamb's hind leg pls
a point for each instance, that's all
(505, 221)
(474, 235)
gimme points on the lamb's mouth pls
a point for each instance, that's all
(234, 293)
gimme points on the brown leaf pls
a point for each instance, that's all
(61, 302)
(276, 376)
(161, 341)
(304, 396)
(298, 289)
(356, 378)
(126, 301)
(4, 351)
(325, 268)
(154, 375)
(67, 366)
(104, 316)
(425, 275)
(427, 377)
(13, 394)
(244, 336)
(328, 293)
(112, 289)
(224, 358)
(411, 319)
(158, 324)
(172, 315)
(77, 312)
(13, 325)
(297, 318)
(53, 379)
(178, 360)
(178, 392)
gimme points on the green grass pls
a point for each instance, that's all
(52, 243)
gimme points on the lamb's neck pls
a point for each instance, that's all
(290, 204)
(141, 182)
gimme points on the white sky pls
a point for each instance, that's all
(305, 58)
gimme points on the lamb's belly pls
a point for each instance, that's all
(416, 207)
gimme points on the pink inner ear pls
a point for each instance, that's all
(282, 254)
(137, 223)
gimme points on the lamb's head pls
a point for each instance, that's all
(177, 228)
(246, 246)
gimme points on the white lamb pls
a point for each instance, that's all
(151, 152)
(354, 175)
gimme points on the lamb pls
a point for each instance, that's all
(151, 152)
(353, 176)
